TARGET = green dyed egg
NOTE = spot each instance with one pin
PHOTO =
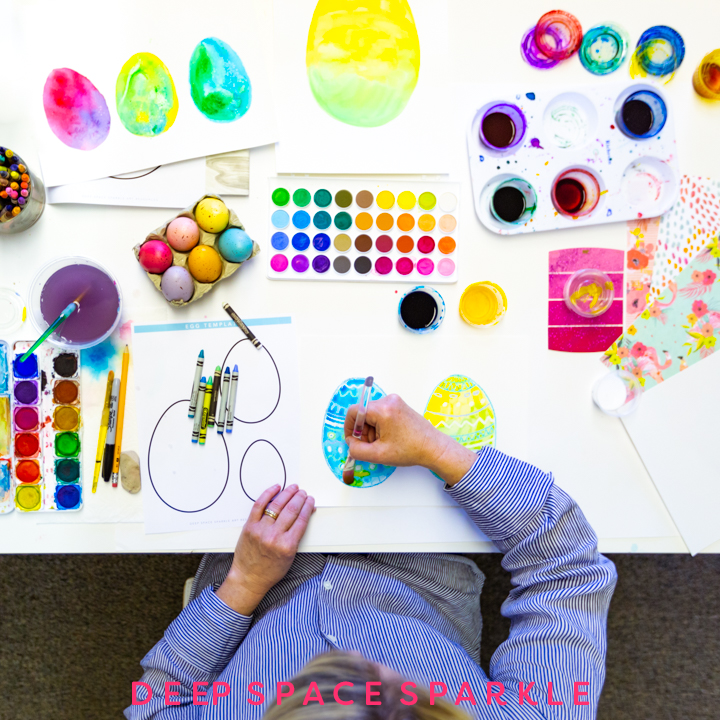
(145, 95)
(363, 59)
(219, 85)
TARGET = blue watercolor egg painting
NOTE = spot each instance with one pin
(219, 84)
(335, 448)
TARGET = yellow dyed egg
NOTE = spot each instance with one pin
(205, 264)
(212, 215)
(459, 408)
(363, 59)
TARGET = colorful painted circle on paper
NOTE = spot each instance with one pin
(335, 448)
(363, 59)
(459, 408)
(75, 110)
(145, 96)
(219, 84)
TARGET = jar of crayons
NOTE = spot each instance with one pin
(22, 194)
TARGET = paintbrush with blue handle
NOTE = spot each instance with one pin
(64, 315)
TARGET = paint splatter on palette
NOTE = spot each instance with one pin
(556, 159)
(355, 230)
(43, 459)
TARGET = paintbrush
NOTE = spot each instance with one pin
(64, 315)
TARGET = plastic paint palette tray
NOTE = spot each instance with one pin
(46, 424)
(556, 159)
(363, 230)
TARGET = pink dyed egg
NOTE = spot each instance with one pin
(155, 256)
(183, 234)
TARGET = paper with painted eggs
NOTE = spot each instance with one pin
(162, 82)
(460, 408)
(361, 85)
(190, 486)
(335, 448)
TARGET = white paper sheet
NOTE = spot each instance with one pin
(96, 39)
(190, 486)
(312, 141)
(673, 431)
(176, 185)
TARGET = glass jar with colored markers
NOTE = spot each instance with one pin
(22, 194)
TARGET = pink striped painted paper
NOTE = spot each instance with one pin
(568, 331)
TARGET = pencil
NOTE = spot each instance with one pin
(222, 401)
(105, 419)
(231, 401)
(196, 384)
(198, 415)
(214, 398)
(120, 416)
(205, 411)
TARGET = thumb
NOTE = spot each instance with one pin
(365, 451)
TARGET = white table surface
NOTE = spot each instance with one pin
(589, 454)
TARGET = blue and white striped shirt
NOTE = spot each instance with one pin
(417, 614)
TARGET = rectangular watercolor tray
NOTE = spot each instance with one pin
(46, 422)
(6, 484)
(553, 134)
(362, 230)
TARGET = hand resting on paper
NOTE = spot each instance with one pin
(394, 434)
(267, 547)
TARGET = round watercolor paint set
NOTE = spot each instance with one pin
(550, 160)
(46, 429)
(363, 230)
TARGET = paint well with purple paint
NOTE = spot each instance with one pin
(99, 306)
(26, 392)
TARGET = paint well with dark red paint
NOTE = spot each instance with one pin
(569, 195)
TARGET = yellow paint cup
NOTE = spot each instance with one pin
(483, 304)
(706, 79)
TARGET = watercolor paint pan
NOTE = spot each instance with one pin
(572, 156)
(6, 462)
(335, 229)
(46, 429)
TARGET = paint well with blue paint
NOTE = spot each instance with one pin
(280, 219)
(279, 240)
(301, 241)
(301, 219)
(321, 242)
(27, 369)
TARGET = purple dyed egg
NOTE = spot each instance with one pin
(155, 256)
(177, 284)
(75, 109)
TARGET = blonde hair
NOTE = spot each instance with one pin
(329, 669)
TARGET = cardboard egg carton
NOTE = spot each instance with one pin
(206, 238)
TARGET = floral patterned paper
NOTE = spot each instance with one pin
(680, 328)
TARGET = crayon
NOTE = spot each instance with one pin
(231, 402)
(196, 384)
(222, 401)
(200, 397)
(205, 411)
(214, 398)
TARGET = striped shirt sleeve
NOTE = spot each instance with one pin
(196, 648)
(562, 584)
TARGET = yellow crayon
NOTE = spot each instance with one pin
(205, 411)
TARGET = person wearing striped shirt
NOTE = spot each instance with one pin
(287, 636)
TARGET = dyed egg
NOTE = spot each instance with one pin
(183, 234)
(212, 215)
(363, 59)
(219, 85)
(204, 263)
(155, 256)
(75, 110)
(459, 408)
(335, 448)
(145, 95)
(235, 245)
(177, 284)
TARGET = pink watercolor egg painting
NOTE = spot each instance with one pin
(75, 109)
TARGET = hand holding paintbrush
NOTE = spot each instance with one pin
(348, 474)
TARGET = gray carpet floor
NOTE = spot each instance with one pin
(74, 628)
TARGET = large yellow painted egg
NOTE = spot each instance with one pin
(458, 407)
(363, 59)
